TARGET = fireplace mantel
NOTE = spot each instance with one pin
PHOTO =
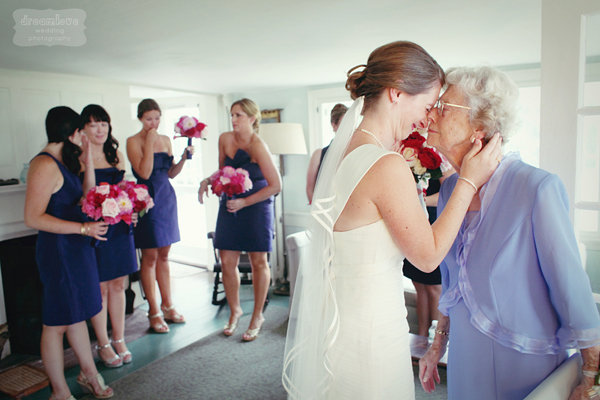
(12, 201)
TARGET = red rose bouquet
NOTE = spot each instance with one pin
(230, 181)
(190, 127)
(116, 203)
(424, 161)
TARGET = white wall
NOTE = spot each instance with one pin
(29, 95)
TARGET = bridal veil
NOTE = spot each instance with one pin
(313, 322)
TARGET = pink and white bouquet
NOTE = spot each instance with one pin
(230, 181)
(116, 203)
(190, 127)
(139, 196)
(424, 161)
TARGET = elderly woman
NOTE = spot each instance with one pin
(515, 295)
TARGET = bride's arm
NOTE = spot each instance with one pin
(393, 191)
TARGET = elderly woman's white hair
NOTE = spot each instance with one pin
(492, 96)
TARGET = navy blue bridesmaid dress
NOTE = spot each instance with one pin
(251, 228)
(159, 227)
(67, 263)
(116, 256)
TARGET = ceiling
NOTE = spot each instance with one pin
(232, 46)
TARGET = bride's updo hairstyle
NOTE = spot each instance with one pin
(402, 65)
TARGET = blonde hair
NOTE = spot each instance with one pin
(251, 109)
(402, 65)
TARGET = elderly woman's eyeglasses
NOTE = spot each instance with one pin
(441, 104)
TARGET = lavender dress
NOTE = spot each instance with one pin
(514, 287)
(251, 228)
(67, 263)
(159, 227)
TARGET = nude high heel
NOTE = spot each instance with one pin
(114, 362)
(171, 315)
(159, 327)
(105, 393)
(126, 355)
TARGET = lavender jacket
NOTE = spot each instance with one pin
(516, 264)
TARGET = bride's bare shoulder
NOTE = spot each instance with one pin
(390, 167)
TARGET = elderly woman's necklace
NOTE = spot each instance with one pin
(373, 136)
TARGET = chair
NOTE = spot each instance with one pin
(296, 244)
(561, 382)
(244, 267)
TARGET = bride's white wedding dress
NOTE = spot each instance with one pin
(371, 357)
(347, 335)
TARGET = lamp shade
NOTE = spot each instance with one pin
(283, 138)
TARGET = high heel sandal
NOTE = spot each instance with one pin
(126, 355)
(252, 334)
(229, 329)
(170, 315)
(114, 362)
(106, 391)
(71, 397)
(160, 327)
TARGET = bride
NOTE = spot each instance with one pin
(348, 334)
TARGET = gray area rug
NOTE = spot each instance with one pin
(216, 367)
(219, 367)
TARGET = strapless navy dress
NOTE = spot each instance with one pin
(116, 256)
(159, 227)
(67, 263)
(251, 228)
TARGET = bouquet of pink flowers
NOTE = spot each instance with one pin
(190, 127)
(424, 161)
(116, 203)
(139, 196)
(230, 181)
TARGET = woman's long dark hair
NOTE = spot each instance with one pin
(62, 122)
(96, 113)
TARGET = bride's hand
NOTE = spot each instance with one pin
(479, 164)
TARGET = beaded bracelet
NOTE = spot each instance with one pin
(441, 332)
(470, 182)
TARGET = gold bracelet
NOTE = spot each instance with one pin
(82, 230)
(441, 332)
(87, 230)
(470, 182)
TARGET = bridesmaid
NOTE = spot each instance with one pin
(151, 159)
(116, 257)
(246, 222)
(64, 256)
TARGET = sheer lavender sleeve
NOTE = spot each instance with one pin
(568, 284)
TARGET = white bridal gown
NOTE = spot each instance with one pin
(371, 357)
